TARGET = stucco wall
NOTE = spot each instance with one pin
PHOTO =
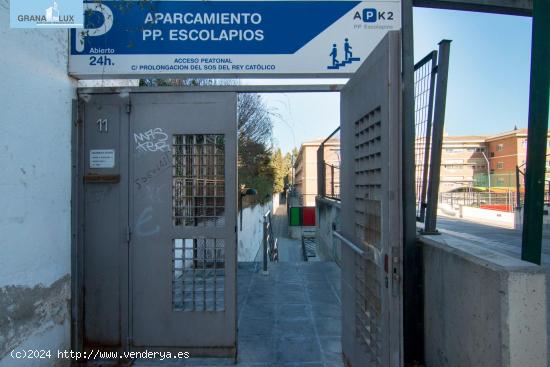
(35, 156)
(276, 202)
(499, 218)
(251, 235)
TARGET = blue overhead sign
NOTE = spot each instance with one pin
(227, 38)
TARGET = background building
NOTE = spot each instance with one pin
(462, 158)
(305, 168)
(507, 150)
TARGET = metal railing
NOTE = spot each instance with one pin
(270, 250)
(520, 183)
(332, 181)
(425, 72)
(328, 173)
(430, 86)
(505, 201)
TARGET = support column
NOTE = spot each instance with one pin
(437, 138)
(413, 314)
(537, 133)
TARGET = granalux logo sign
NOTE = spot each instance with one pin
(46, 14)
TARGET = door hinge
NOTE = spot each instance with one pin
(128, 107)
(128, 234)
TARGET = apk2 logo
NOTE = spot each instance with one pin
(371, 15)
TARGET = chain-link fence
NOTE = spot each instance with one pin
(430, 90)
(502, 201)
(328, 168)
(332, 181)
(424, 88)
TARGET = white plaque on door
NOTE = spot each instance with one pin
(102, 158)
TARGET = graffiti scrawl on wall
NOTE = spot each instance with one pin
(152, 140)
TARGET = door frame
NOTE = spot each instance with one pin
(77, 156)
(79, 167)
(77, 174)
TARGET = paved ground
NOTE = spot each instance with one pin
(288, 318)
(504, 240)
(289, 249)
(501, 239)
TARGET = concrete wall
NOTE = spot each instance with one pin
(328, 220)
(275, 202)
(482, 308)
(35, 220)
(251, 236)
(503, 219)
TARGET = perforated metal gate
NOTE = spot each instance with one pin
(371, 210)
(159, 222)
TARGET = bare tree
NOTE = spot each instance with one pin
(255, 119)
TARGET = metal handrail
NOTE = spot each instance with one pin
(269, 242)
(349, 243)
(370, 251)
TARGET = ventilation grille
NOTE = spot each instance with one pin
(198, 274)
(368, 177)
(198, 180)
(368, 308)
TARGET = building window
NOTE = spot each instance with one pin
(500, 181)
(480, 150)
(500, 165)
(500, 147)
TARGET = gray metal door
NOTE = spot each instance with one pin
(183, 186)
(371, 210)
(101, 272)
(155, 263)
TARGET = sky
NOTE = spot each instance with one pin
(488, 86)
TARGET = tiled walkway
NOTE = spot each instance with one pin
(288, 318)
(289, 249)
